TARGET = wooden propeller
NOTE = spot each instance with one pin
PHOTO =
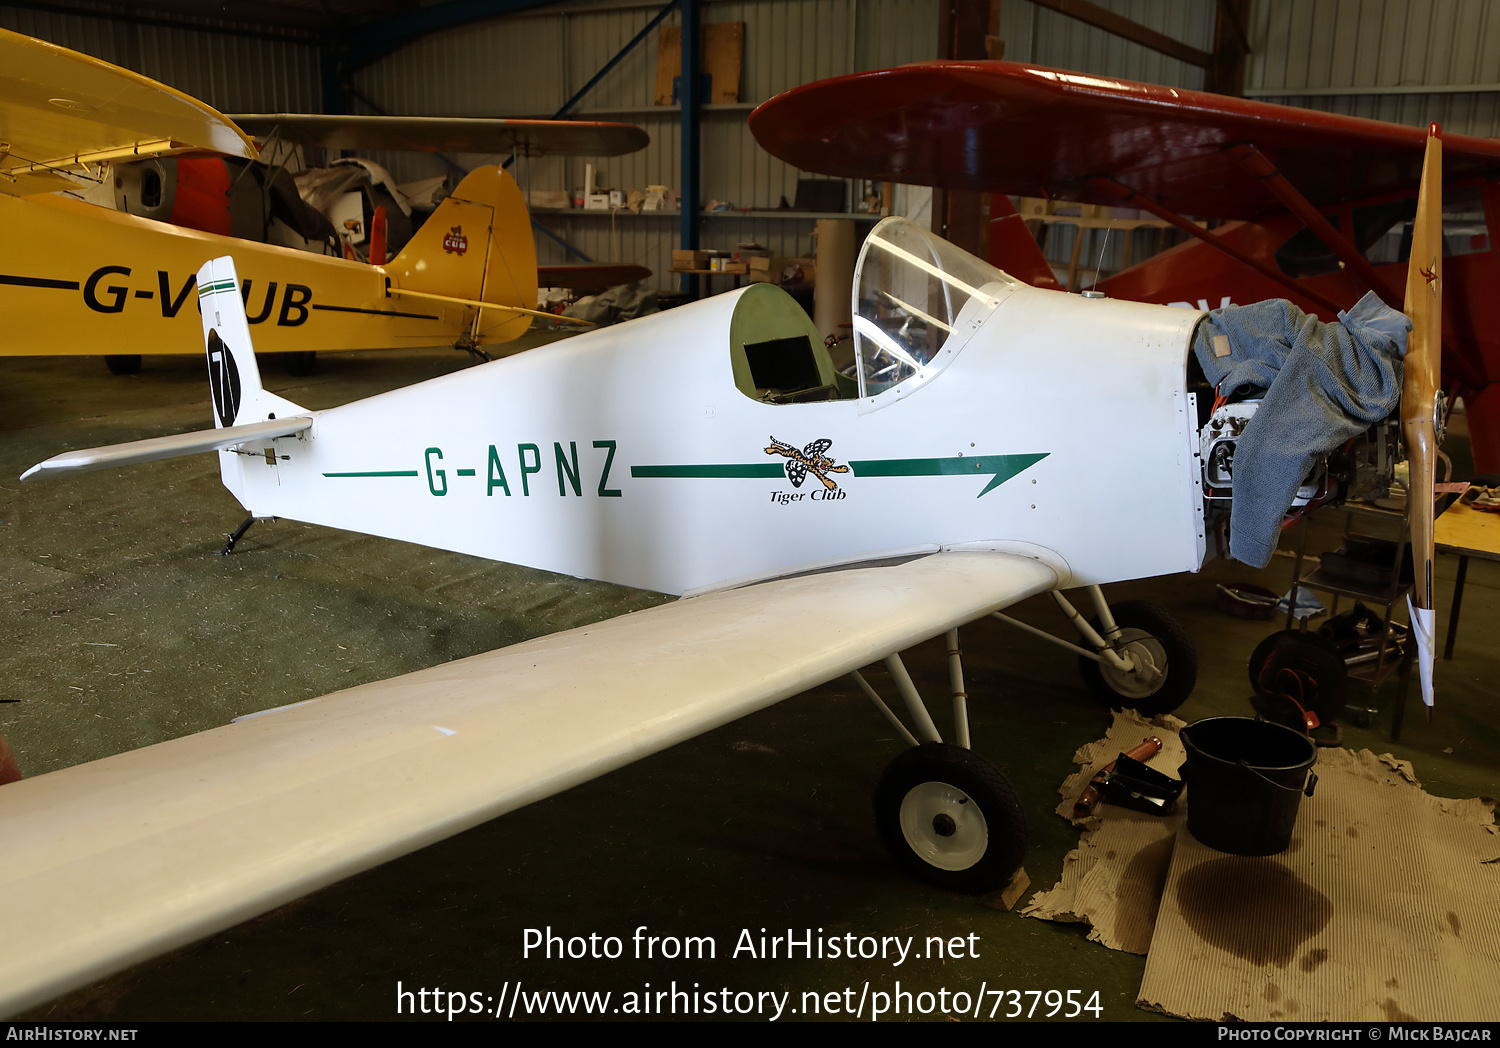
(1424, 306)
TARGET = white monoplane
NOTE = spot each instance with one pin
(815, 523)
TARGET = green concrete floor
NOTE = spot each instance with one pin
(124, 628)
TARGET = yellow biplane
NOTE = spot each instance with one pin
(119, 284)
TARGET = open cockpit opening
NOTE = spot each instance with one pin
(776, 353)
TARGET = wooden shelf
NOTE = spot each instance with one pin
(610, 112)
(854, 216)
(604, 212)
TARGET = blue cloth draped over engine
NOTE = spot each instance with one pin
(1322, 383)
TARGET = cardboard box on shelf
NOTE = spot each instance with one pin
(774, 269)
(684, 259)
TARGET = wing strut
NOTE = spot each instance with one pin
(1124, 193)
(1255, 164)
(1424, 305)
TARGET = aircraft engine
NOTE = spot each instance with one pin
(219, 195)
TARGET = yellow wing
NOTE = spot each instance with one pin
(61, 111)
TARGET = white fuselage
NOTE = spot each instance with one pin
(585, 457)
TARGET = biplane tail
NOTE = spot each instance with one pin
(476, 247)
(1419, 410)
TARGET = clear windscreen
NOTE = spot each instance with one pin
(916, 294)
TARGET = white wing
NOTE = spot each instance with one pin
(106, 864)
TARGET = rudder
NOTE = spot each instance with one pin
(1014, 249)
(477, 245)
(233, 375)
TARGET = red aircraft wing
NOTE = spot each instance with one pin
(1006, 128)
(1002, 127)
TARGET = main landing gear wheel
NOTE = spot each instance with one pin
(1166, 661)
(123, 363)
(950, 818)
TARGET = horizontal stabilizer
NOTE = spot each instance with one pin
(154, 448)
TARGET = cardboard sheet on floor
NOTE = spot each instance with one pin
(1386, 906)
(1112, 881)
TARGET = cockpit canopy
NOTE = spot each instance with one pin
(917, 300)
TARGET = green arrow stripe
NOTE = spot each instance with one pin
(1000, 467)
(736, 470)
(217, 285)
(378, 473)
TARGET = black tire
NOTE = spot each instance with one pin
(1149, 628)
(300, 364)
(123, 363)
(1314, 658)
(949, 817)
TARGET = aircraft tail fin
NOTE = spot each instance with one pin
(244, 410)
(1014, 249)
(476, 246)
(233, 376)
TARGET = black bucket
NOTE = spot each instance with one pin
(1245, 779)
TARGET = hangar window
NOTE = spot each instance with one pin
(917, 301)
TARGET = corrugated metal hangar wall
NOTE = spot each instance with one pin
(1404, 60)
(233, 66)
(528, 65)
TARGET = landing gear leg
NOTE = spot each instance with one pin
(467, 344)
(945, 814)
(1165, 661)
(1138, 657)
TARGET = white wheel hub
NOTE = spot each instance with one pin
(1150, 660)
(943, 826)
